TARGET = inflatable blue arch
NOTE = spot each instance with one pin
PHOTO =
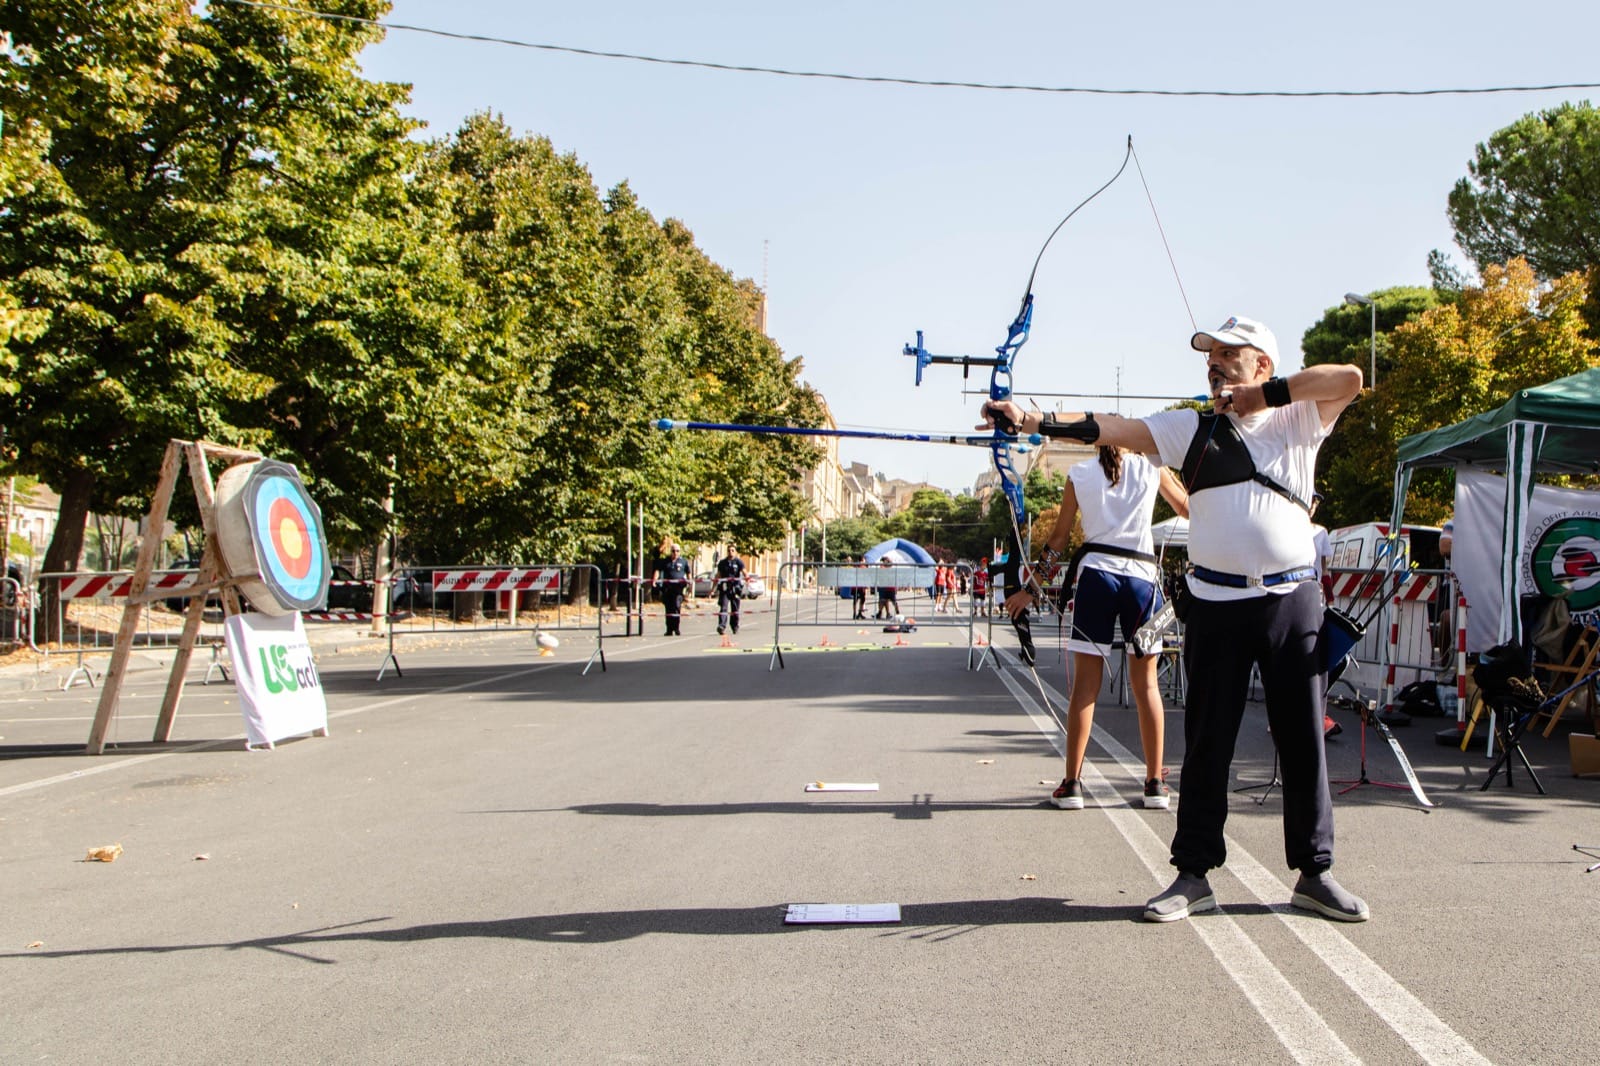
(896, 551)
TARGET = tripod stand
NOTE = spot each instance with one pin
(1267, 786)
(1369, 717)
(1368, 712)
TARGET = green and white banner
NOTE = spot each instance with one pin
(1551, 548)
(280, 693)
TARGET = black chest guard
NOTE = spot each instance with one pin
(1217, 456)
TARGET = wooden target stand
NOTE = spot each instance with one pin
(214, 574)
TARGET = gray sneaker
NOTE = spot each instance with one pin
(1321, 893)
(1187, 895)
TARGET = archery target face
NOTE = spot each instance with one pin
(286, 532)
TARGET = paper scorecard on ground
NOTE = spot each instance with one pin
(842, 786)
(815, 913)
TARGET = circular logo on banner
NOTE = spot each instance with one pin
(286, 532)
(1566, 561)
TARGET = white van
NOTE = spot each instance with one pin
(1355, 547)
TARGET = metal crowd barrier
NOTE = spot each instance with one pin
(495, 598)
(825, 594)
(86, 620)
(1413, 634)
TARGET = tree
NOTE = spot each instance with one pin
(1450, 362)
(1534, 193)
(1354, 490)
(205, 182)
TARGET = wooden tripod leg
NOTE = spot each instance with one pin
(133, 609)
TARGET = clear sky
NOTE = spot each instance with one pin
(873, 211)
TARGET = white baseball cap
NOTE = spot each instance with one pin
(1245, 332)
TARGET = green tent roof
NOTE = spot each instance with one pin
(1569, 407)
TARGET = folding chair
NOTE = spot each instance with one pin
(1579, 663)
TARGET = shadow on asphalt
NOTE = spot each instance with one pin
(930, 922)
(919, 807)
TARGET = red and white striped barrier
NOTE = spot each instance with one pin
(1365, 586)
(116, 586)
(514, 580)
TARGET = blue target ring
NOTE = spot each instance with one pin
(287, 535)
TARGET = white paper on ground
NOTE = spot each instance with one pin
(805, 913)
(842, 786)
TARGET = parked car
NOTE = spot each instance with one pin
(180, 604)
(705, 585)
(8, 595)
(412, 589)
(346, 592)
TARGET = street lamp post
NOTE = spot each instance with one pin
(1361, 301)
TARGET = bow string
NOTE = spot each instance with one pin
(1001, 368)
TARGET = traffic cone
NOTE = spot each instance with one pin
(727, 641)
(825, 642)
(900, 640)
(980, 642)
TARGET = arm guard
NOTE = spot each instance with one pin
(1086, 430)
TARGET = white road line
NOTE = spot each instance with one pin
(1297, 1025)
(113, 763)
(1423, 1031)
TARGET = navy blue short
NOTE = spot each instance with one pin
(1100, 600)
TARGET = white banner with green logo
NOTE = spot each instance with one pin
(279, 691)
(1552, 549)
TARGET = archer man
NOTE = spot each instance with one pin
(1248, 466)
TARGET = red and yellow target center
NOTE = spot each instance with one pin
(290, 539)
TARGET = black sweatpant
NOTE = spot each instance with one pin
(1222, 639)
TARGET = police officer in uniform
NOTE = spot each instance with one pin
(672, 578)
(730, 590)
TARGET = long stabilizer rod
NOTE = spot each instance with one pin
(1022, 444)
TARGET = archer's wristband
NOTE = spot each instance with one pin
(1276, 392)
(1086, 429)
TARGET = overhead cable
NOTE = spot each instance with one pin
(927, 83)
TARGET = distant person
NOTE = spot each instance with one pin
(941, 588)
(672, 578)
(980, 585)
(730, 590)
(858, 594)
(1115, 582)
(888, 602)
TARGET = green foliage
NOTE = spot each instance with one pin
(221, 231)
(1449, 363)
(1344, 333)
(1356, 491)
(1531, 194)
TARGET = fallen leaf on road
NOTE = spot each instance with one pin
(37, 944)
(202, 857)
(1029, 877)
(985, 762)
(108, 853)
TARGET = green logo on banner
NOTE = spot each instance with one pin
(279, 676)
(1566, 561)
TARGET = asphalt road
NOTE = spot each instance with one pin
(496, 858)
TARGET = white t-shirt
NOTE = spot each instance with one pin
(1117, 514)
(1247, 528)
(1323, 548)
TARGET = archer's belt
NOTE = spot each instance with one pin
(1245, 581)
